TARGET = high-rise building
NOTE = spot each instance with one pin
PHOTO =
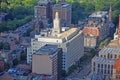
(48, 61)
(64, 10)
(71, 41)
(43, 11)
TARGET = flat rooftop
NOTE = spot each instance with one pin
(64, 34)
(47, 49)
(67, 33)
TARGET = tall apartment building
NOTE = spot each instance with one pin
(71, 41)
(106, 63)
(43, 11)
(48, 61)
(64, 10)
(97, 28)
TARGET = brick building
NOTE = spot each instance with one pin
(43, 12)
(97, 28)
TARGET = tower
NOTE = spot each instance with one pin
(65, 10)
(119, 30)
(110, 14)
(56, 25)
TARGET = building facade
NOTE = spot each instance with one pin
(106, 63)
(43, 12)
(48, 61)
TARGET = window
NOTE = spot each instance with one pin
(98, 65)
(111, 56)
(94, 69)
(104, 56)
(94, 64)
(105, 66)
(115, 56)
(101, 65)
(105, 71)
(108, 66)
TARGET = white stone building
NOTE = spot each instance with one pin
(71, 42)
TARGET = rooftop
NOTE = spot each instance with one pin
(67, 33)
(109, 50)
(103, 60)
(47, 49)
(99, 14)
(65, 5)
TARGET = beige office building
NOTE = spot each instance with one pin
(48, 61)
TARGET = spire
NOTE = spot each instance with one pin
(119, 28)
(56, 15)
(110, 14)
(56, 24)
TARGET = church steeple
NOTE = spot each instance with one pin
(110, 14)
(56, 24)
(119, 28)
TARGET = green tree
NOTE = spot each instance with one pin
(7, 66)
(15, 61)
(23, 56)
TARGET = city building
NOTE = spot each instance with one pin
(70, 40)
(116, 70)
(97, 28)
(48, 61)
(43, 12)
(65, 11)
(106, 63)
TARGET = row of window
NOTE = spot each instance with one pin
(110, 56)
(105, 66)
(104, 71)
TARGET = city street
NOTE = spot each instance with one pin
(81, 74)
